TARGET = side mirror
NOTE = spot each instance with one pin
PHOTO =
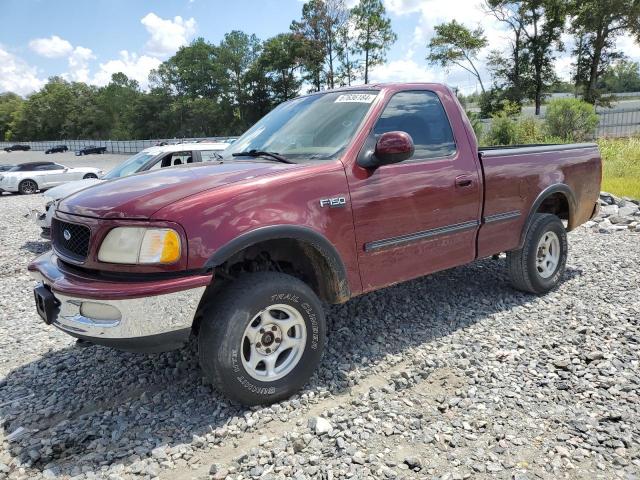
(391, 147)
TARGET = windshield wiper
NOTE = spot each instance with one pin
(259, 153)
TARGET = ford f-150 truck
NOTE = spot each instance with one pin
(329, 196)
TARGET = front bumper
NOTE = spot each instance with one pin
(133, 316)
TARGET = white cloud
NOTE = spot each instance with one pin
(405, 70)
(79, 64)
(132, 65)
(167, 35)
(16, 75)
(51, 47)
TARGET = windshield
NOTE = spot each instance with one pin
(129, 166)
(314, 127)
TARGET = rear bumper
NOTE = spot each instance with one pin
(152, 322)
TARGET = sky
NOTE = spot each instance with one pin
(89, 40)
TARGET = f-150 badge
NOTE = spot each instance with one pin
(334, 202)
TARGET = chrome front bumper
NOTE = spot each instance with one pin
(153, 323)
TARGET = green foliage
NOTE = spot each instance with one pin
(570, 119)
(10, 106)
(455, 44)
(596, 24)
(374, 35)
(503, 131)
(496, 100)
(623, 76)
(621, 166)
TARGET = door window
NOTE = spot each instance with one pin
(173, 159)
(209, 155)
(421, 115)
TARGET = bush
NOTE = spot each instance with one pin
(570, 119)
(503, 131)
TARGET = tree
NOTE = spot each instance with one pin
(455, 44)
(596, 24)
(237, 53)
(623, 76)
(115, 102)
(194, 71)
(349, 69)
(10, 104)
(544, 20)
(374, 35)
(318, 30)
(309, 32)
(508, 72)
(281, 60)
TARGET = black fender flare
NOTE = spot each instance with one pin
(294, 232)
(542, 196)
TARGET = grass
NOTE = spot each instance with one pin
(621, 166)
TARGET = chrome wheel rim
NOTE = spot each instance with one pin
(29, 186)
(548, 254)
(273, 342)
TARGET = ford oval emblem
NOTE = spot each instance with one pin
(66, 234)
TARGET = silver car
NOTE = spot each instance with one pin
(148, 159)
(28, 178)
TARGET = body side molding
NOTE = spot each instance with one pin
(417, 236)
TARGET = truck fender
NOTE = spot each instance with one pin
(303, 234)
(562, 188)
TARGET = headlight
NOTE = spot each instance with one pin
(140, 245)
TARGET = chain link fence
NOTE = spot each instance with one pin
(615, 122)
(113, 146)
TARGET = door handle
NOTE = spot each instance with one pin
(463, 181)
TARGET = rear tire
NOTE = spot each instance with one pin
(28, 187)
(245, 329)
(90, 175)
(539, 265)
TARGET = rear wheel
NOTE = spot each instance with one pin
(27, 187)
(540, 264)
(262, 337)
(90, 175)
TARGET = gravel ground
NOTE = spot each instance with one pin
(451, 376)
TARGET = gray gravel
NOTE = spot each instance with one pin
(451, 376)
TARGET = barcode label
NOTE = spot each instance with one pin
(356, 98)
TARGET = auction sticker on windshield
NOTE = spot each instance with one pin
(356, 98)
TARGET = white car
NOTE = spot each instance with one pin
(30, 177)
(148, 159)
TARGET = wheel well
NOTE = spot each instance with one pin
(558, 205)
(298, 258)
(287, 255)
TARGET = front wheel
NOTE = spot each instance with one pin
(28, 187)
(262, 338)
(90, 175)
(539, 265)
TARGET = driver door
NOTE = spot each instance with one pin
(421, 215)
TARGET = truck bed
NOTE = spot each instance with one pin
(515, 177)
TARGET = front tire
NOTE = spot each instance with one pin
(27, 187)
(90, 175)
(539, 265)
(262, 338)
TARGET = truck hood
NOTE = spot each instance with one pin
(139, 196)
(66, 189)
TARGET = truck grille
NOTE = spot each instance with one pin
(71, 239)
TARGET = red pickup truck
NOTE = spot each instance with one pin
(329, 196)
